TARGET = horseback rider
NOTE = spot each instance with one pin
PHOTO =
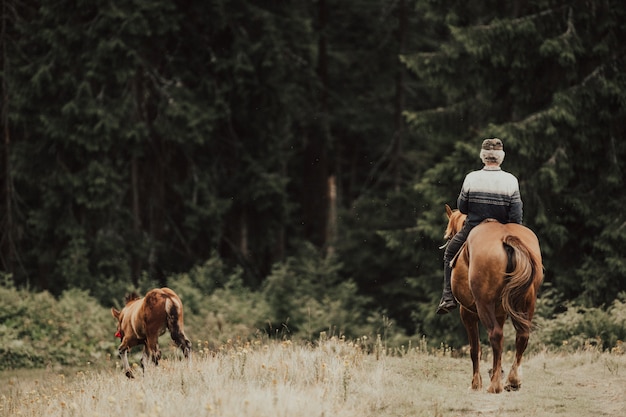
(486, 193)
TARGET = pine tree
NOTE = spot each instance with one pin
(548, 79)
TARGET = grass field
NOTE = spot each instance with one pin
(333, 378)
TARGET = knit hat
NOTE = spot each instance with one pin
(492, 151)
(493, 144)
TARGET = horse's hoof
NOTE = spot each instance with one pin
(512, 387)
(491, 373)
(129, 375)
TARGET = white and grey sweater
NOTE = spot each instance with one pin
(490, 193)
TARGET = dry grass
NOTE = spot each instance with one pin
(331, 379)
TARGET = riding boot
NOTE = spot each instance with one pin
(448, 302)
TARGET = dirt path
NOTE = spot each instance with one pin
(580, 385)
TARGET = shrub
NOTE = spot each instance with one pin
(307, 295)
(38, 329)
(580, 327)
(231, 312)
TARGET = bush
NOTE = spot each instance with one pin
(580, 327)
(230, 312)
(38, 329)
(307, 295)
(303, 297)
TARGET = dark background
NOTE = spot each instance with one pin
(143, 138)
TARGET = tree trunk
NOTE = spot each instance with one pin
(7, 227)
(399, 101)
(316, 171)
(135, 267)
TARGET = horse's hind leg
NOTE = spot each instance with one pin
(175, 327)
(514, 380)
(182, 342)
(470, 321)
(494, 327)
(178, 336)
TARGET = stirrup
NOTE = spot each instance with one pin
(445, 306)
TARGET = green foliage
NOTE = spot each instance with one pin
(544, 81)
(304, 298)
(231, 312)
(307, 295)
(38, 330)
(161, 141)
(582, 327)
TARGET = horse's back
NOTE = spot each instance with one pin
(484, 244)
(168, 292)
(528, 237)
(487, 261)
(163, 293)
(491, 234)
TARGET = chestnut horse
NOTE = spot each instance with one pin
(143, 320)
(496, 274)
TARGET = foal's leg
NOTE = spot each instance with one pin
(470, 321)
(151, 352)
(123, 351)
(181, 341)
(175, 327)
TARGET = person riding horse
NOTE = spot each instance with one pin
(489, 193)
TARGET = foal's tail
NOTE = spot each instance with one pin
(522, 270)
(174, 311)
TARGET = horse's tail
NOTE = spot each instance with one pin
(174, 312)
(521, 272)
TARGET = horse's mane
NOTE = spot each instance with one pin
(455, 222)
(131, 297)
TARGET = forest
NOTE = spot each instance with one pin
(305, 150)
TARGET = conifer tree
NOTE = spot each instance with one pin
(548, 79)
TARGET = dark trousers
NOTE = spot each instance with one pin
(451, 250)
(455, 243)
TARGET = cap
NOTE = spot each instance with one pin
(493, 144)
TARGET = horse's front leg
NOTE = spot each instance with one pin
(145, 358)
(123, 351)
(151, 351)
(470, 321)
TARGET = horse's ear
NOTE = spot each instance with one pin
(115, 313)
(448, 210)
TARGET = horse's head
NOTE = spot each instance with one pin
(455, 222)
(117, 315)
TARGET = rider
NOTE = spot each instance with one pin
(487, 193)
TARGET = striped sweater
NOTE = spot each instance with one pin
(490, 193)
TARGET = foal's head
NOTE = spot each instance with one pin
(117, 314)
